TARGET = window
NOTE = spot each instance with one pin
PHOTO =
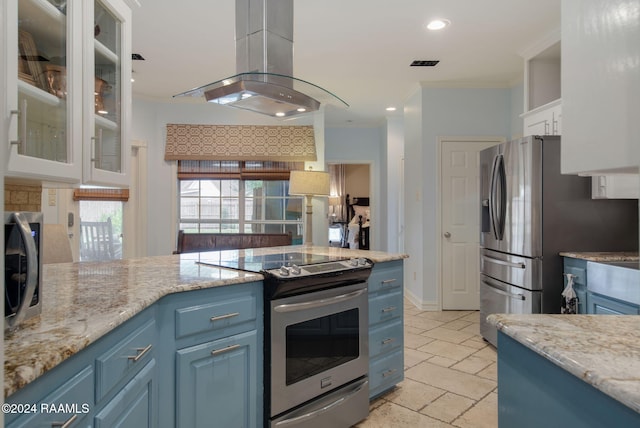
(237, 202)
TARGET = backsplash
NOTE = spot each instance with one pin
(20, 197)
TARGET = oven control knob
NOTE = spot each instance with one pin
(284, 271)
(353, 262)
(295, 270)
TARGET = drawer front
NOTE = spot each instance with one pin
(386, 338)
(385, 307)
(216, 316)
(125, 358)
(385, 372)
(386, 276)
(75, 395)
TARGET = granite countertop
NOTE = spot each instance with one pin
(602, 256)
(84, 301)
(602, 350)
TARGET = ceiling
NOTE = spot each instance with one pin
(360, 50)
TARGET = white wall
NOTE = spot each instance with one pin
(362, 145)
(431, 113)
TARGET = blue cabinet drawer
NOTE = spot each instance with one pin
(71, 402)
(386, 276)
(385, 372)
(135, 405)
(217, 316)
(125, 358)
(385, 307)
(385, 338)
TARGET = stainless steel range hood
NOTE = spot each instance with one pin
(264, 61)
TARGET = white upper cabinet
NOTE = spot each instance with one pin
(542, 88)
(600, 86)
(107, 52)
(53, 128)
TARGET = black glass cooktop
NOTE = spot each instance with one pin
(258, 263)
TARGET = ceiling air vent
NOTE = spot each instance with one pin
(424, 63)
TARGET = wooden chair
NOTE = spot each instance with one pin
(96, 240)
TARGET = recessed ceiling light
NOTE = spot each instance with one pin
(301, 109)
(438, 24)
(391, 109)
(280, 114)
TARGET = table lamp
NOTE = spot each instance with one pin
(309, 184)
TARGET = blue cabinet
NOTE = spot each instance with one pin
(386, 335)
(191, 359)
(216, 383)
(213, 341)
(603, 305)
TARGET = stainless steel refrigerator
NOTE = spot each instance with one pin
(529, 214)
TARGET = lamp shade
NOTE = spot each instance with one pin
(314, 183)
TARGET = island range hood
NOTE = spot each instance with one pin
(264, 62)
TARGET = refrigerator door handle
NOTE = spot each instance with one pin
(492, 198)
(505, 293)
(503, 262)
(502, 204)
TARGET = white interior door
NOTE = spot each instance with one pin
(460, 223)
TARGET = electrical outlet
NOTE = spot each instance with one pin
(52, 197)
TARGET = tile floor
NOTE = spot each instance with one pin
(450, 375)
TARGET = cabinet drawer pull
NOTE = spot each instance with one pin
(65, 424)
(223, 350)
(140, 353)
(388, 341)
(389, 373)
(224, 317)
(389, 309)
(388, 281)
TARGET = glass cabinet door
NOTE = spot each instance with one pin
(110, 86)
(42, 76)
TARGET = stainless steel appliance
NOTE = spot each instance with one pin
(316, 336)
(529, 213)
(22, 266)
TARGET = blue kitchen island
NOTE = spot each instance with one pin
(568, 370)
(164, 341)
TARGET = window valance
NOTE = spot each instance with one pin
(101, 194)
(240, 142)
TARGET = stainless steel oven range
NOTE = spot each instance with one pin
(316, 338)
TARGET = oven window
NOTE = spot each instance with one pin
(321, 344)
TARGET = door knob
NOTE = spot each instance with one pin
(447, 235)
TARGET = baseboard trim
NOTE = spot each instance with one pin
(422, 305)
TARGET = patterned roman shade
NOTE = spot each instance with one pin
(240, 142)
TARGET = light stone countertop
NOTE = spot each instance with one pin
(602, 256)
(602, 350)
(84, 301)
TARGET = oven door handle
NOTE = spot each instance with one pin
(298, 420)
(293, 307)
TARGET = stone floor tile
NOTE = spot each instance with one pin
(444, 316)
(475, 343)
(457, 325)
(422, 323)
(413, 395)
(415, 341)
(448, 407)
(472, 317)
(460, 383)
(414, 330)
(448, 335)
(447, 349)
(488, 353)
(491, 372)
(442, 361)
(413, 357)
(472, 328)
(472, 365)
(483, 415)
(395, 416)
